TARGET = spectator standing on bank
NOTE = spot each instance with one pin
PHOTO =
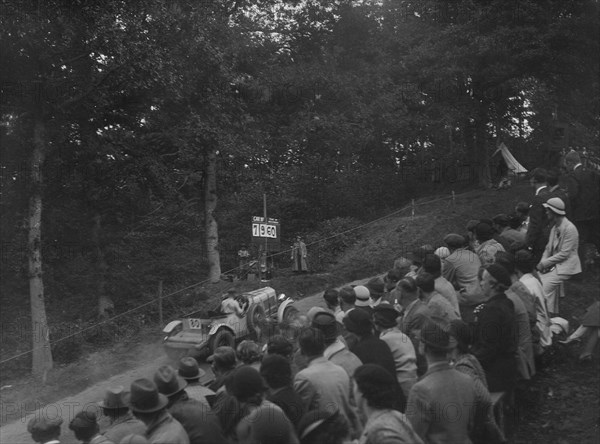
(537, 230)
(244, 260)
(299, 256)
(583, 190)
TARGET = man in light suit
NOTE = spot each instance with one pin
(560, 260)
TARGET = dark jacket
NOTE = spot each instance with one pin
(538, 230)
(372, 350)
(496, 342)
(289, 401)
(198, 420)
(583, 191)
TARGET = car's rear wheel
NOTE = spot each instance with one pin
(222, 338)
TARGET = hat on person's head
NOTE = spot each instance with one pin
(315, 311)
(385, 316)
(143, 397)
(134, 439)
(376, 287)
(522, 207)
(280, 345)
(168, 382)
(500, 273)
(454, 240)
(43, 425)
(358, 321)
(84, 420)
(223, 356)
(442, 252)
(314, 419)
(472, 224)
(484, 231)
(188, 369)
(363, 296)
(113, 399)
(246, 382)
(434, 336)
(501, 219)
(270, 425)
(419, 253)
(556, 205)
(325, 321)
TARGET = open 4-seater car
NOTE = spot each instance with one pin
(201, 333)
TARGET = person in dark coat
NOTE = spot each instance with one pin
(582, 185)
(197, 419)
(495, 337)
(370, 349)
(537, 230)
(277, 373)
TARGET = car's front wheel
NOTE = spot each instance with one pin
(222, 338)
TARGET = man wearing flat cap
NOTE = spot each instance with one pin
(460, 269)
(122, 421)
(45, 430)
(198, 420)
(403, 351)
(150, 406)
(560, 260)
(495, 344)
(443, 386)
(86, 429)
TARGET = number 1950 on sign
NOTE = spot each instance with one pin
(264, 230)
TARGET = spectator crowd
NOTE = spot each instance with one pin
(434, 351)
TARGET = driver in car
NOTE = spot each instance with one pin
(234, 304)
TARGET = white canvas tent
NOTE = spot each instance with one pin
(513, 164)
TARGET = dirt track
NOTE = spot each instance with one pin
(16, 432)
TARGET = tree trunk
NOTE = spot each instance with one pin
(210, 204)
(42, 354)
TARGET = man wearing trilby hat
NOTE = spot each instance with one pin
(122, 422)
(559, 260)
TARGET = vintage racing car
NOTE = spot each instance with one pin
(202, 332)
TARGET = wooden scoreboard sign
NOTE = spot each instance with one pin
(266, 232)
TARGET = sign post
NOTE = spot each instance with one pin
(266, 236)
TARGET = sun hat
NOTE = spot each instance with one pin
(556, 205)
(363, 296)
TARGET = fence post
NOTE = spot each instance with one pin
(160, 307)
(412, 213)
